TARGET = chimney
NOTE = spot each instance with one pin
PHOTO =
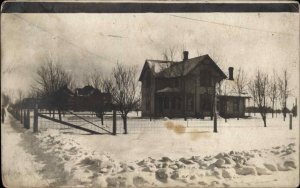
(185, 55)
(230, 70)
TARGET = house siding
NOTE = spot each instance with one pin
(166, 94)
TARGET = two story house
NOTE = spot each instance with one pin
(179, 89)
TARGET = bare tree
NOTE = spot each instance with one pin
(284, 92)
(5, 99)
(273, 92)
(169, 53)
(52, 77)
(20, 95)
(94, 79)
(259, 91)
(125, 91)
(107, 84)
(240, 86)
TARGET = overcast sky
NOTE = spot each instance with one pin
(87, 42)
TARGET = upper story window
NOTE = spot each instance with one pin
(176, 82)
(148, 80)
(205, 78)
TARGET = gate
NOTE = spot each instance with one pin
(86, 122)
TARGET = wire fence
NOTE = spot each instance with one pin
(135, 124)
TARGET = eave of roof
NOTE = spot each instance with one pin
(168, 90)
(189, 65)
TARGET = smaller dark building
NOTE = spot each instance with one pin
(87, 91)
(89, 98)
(230, 103)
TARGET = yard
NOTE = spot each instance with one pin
(138, 158)
(163, 152)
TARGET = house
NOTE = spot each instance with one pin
(165, 85)
(89, 98)
(87, 91)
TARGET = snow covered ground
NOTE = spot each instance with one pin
(176, 153)
(18, 166)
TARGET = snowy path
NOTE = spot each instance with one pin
(18, 167)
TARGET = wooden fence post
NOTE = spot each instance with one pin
(114, 123)
(35, 119)
(28, 119)
(291, 120)
(24, 118)
(21, 115)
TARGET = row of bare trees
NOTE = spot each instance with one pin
(266, 91)
(122, 84)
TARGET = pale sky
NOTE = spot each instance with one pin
(87, 42)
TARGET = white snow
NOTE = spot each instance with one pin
(18, 167)
(199, 139)
(178, 153)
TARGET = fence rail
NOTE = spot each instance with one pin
(112, 123)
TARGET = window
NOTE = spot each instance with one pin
(148, 104)
(178, 103)
(190, 102)
(166, 102)
(235, 105)
(205, 102)
(176, 83)
(148, 81)
(173, 103)
(205, 78)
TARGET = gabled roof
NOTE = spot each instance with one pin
(173, 69)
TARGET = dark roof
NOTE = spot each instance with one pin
(87, 90)
(173, 69)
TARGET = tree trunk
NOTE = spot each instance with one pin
(265, 120)
(59, 114)
(124, 117)
(238, 109)
(272, 109)
(102, 119)
(284, 113)
(215, 109)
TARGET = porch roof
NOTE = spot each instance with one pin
(168, 90)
